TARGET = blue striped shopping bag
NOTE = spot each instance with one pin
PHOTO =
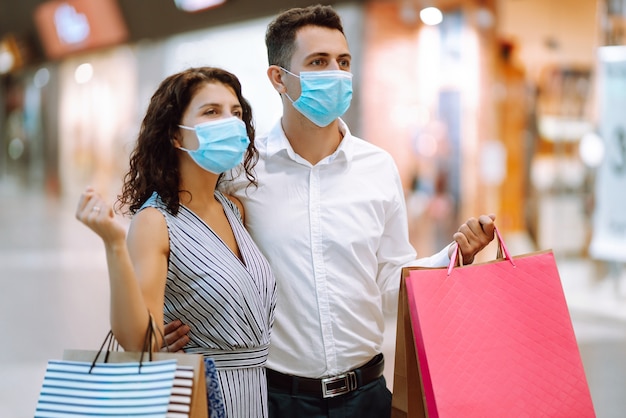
(89, 389)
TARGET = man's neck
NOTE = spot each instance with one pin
(310, 141)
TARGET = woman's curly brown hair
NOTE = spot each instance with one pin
(154, 160)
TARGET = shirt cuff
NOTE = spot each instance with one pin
(440, 259)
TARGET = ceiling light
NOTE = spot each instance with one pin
(431, 16)
(193, 6)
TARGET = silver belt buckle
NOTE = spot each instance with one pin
(338, 385)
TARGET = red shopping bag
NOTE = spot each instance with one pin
(491, 340)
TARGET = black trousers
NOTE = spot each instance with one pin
(370, 401)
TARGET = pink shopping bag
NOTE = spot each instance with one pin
(491, 340)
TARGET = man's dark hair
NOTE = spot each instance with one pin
(280, 36)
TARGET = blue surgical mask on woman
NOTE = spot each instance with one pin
(325, 95)
(222, 144)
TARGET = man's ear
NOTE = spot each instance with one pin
(275, 74)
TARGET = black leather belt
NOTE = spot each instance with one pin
(330, 386)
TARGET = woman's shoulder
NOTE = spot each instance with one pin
(154, 201)
(148, 225)
(152, 212)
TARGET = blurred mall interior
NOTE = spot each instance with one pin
(512, 107)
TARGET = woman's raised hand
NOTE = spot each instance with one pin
(98, 215)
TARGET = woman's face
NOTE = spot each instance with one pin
(212, 101)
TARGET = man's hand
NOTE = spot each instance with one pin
(473, 236)
(175, 336)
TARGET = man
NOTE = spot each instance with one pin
(329, 214)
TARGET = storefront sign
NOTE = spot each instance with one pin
(70, 26)
(609, 226)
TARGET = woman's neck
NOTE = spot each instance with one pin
(197, 187)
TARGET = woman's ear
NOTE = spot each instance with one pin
(176, 141)
(275, 74)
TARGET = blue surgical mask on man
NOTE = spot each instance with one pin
(325, 95)
(222, 144)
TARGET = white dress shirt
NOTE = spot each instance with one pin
(336, 236)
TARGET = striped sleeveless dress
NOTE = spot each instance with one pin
(227, 303)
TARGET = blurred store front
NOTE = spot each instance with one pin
(493, 110)
(86, 105)
(486, 111)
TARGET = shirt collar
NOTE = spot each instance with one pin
(277, 142)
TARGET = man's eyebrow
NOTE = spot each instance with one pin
(317, 54)
(326, 55)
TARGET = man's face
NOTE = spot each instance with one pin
(319, 49)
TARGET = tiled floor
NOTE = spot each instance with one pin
(55, 296)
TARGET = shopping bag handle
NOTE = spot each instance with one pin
(112, 344)
(502, 250)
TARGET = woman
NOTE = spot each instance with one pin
(187, 254)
